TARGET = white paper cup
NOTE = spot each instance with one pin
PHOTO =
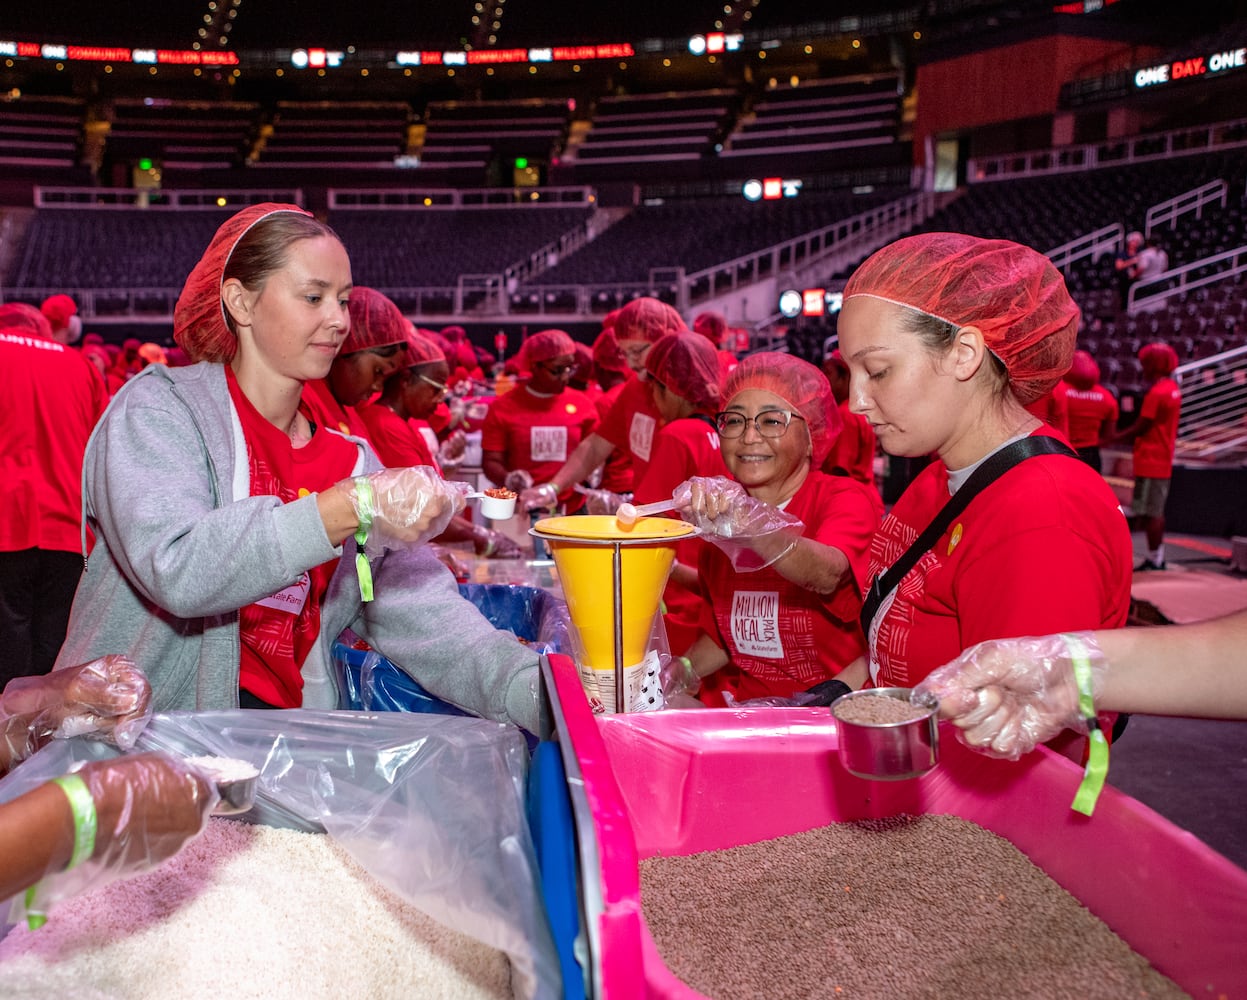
(498, 508)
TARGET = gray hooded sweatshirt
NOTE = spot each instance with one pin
(181, 546)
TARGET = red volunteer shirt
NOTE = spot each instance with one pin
(1043, 549)
(1088, 410)
(631, 424)
(683, 448)
(783, 638)
(397, 442)
(50, 397)
(320, 407)
(617, 473)
(1153, 450)
(853, 452)
(538, 433)
(278, 631)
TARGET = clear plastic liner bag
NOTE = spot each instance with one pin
(405, 506)
(430, 805)
(751, 533)
(108, 699)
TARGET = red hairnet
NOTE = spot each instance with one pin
(646, 319)
(1083, 372)
(454, 334)
(711, 325)
(688, 365)
(421, 350)
(90, 351)
(58, 309)
(546, 345)
(199, 324)
(375, 322)
(606, 352)
(18, 317)
(608, 321)
(1011, 293)
(1158, 359)
(801, 385)
(465, 355)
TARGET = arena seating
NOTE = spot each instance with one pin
(334, 135)
(184, 137)
(42, 136)
(462, 138)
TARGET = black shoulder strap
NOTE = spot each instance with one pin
(991, 470)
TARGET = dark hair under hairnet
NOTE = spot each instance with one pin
(803, 386)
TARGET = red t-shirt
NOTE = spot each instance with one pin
(320, 407)
(1153, 450)
(617, 469)
(1088, 410)
(683, 448)
(50, 398)
(853, 452)
(1052, 410)
(783, 638)
(538, 433)
(1043, 549)
(631, 423)
(278, 631)
(396, 441)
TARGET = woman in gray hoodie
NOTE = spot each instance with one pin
(235, 539)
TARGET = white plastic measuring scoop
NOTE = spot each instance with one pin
(495, 508)
(628, 514)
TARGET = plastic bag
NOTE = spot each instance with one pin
(430, 805)
(751, 533)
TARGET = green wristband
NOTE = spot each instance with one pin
(86, 822)
(363, 569)
(1096, 771)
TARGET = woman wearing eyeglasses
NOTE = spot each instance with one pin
(782, 628)
(373, 350)
(530, 432)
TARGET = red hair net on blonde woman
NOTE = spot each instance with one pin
(18, 317)
(200, 326)
(375, 322)
(688, 365)
(646, 319)
(1011, 293)
(801, 385)
(546, 345)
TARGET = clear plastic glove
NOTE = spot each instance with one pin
(403, 506)
(108, 699)
(147, 806)
(452, 450)
(753, 534)
(543, 497)
(495, 545)
(518, 480)
(1008, 695)
(600, 501)
(678, 676)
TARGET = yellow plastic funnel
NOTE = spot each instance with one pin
(584, 549)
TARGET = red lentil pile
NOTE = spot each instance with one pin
(893, 909)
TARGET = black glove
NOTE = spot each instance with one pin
(824, 693)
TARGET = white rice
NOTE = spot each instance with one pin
(247, 911)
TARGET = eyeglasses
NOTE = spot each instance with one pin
(558, 371)
(768, 423)
(649, 377)
(635, 352)
(443, 389)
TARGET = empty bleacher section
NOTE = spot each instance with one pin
(332, 136)
(832, 123)
(183, 138)
(638, 135)
(471, 142)
(42, 135)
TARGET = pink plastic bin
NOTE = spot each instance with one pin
(678, 782)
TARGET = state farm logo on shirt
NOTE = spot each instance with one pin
(290, 600)
(755, 623)
(641, 435)
(548, 444)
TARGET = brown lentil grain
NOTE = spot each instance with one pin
(907, 908)
(877, 709)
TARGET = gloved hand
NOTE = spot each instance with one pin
(678, 676)
(1008, 695)
(146, 807)
(600, 501)
(752, 533)
(403, 506)
(495, 545)
(108, 699)
(543, 497)
(518, 480)
(452, 450)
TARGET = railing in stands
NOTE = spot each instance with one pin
(1212, 428)
(1103, 240)
(1109, 153)
(130, 198)
(461, 198)
(1151, 294)
(1168, 212)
